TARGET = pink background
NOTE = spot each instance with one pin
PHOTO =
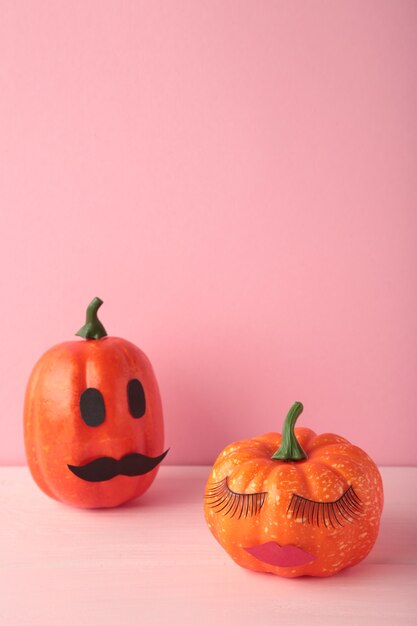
(237, 181)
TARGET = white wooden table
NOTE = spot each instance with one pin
(154, 562)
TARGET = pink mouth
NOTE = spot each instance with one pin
(281, 556)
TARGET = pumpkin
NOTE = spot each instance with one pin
(294, 505)
(93, 423)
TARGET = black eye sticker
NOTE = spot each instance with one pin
(136, 398)
(92, 407)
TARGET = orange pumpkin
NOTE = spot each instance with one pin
(297, 504)
(93, 419)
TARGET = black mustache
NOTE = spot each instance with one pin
(106, 468)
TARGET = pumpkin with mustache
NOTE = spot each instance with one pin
(93, 419)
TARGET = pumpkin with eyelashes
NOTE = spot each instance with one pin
(297, 504)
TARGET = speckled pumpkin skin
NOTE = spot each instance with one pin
(333, 464)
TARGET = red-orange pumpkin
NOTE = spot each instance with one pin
(93, 419)
(297, 504)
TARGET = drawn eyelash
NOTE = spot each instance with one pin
(223, 500)
(347, 508)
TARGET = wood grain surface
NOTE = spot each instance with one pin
(154, 562)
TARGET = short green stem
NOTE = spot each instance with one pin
(93, 328)
(290, 449)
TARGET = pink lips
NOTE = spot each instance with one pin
(281, 556)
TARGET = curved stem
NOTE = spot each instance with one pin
(93, 328)
(290, 449)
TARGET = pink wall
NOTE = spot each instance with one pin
(236, 180)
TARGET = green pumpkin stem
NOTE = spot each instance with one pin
(93, 328)
(290, 449)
